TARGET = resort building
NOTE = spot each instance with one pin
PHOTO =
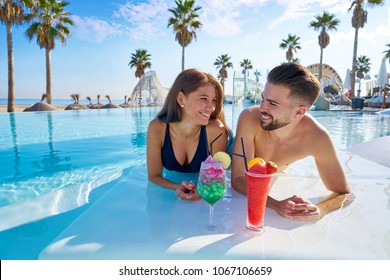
(246, 86)
(148, 91)
(330, 78)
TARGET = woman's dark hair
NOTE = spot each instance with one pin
(303, 85)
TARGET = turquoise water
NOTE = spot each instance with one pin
(69, 101)
(54, 165)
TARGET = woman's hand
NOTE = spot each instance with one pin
(187, 191)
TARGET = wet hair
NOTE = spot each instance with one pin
(303, 85)
(187, 82)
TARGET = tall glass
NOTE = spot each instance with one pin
(257, 187)
(211, 185)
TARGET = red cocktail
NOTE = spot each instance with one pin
(257, 186)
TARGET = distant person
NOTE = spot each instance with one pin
(280, 130)
(179, 137)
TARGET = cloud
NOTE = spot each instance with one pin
(226, 18)
(146, 20)
(295, 10)
(92, 29)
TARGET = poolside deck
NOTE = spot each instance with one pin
(138, 220)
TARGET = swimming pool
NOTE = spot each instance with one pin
(52, 161)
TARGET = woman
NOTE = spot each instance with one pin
(179, 138)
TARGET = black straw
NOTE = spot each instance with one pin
(243, 152)
(211, 144)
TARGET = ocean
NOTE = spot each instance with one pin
(69, 101)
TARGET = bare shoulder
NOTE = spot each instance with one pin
(250, 111)
(215, 124)
(156, 126)
(215, 127)
(310, 124)
(250, 114)
(314, 132)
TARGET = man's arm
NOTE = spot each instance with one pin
(333, 202)
(244, 130)
(332, 175)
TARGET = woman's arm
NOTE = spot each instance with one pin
(156, 132)
(155, 140)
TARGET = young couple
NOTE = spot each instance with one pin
(279, 130)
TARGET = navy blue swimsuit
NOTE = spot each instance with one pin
(168, 156)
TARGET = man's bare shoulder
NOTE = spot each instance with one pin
(250, 113)
(310, 123)
(314, 131)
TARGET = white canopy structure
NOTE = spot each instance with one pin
(148, 91)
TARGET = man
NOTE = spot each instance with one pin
(280, 130)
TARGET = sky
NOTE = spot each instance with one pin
(95, 58)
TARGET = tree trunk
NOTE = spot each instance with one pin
(353, 71)
(320, 73)
(182, 58)
(48, 77)
(11, 88)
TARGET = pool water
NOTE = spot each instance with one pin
(58, 163)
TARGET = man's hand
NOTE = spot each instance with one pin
(297, 208)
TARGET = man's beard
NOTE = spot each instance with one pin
(273, 124)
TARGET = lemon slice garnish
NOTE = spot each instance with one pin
(223, 158)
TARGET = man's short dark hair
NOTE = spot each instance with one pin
(303, 85)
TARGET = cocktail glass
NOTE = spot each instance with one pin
(211, 185)
(257, 186)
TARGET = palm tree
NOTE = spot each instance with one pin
(141, 60)
(246, 64)
(323, 23)
(12, 13)
(296, 60)
(363, 66)
(49, 22)
(222, 63)
(292, 45)
(184, 23)
(387, 52)
(359, 18)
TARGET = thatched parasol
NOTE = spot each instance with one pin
(110, 105)
(126, 103)
(41, 106)
(76, 105)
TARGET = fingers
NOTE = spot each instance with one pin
(187, 191)
(189, 185)
(302, 207)
(304, 216)
(297, 208)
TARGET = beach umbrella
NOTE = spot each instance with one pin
(382, 80)
(110, 105)
(41, 106)
(347, 81)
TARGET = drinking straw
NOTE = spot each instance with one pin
(211, 144)
(243, 152)
(243, 155)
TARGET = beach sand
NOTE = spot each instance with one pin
(20, 108)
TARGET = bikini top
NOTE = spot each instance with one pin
(168, 156)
